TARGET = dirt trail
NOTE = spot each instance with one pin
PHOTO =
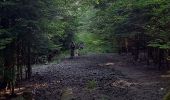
(97, 77)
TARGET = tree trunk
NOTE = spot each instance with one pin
(29, 69)
(12, 83)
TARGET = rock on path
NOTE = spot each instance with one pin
(97, 77)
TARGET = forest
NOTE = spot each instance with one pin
(39, 32)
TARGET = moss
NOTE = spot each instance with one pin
(92, 84)
(167, 96)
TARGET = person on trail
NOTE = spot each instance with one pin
(80, 47)
(72, 49)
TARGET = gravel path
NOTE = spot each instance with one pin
(97, 77)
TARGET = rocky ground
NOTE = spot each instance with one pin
(97, 77)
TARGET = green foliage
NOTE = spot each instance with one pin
(92, 84)
(4, 42)
(31, 30)
(123, 18)
(92, 43)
